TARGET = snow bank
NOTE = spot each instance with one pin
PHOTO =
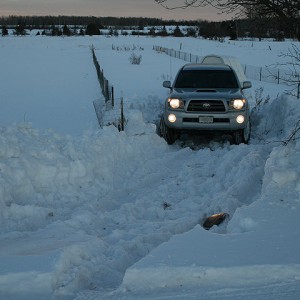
(200, 258)
(93, 203)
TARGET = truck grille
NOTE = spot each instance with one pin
(206, 105)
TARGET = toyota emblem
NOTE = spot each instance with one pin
(206, 105)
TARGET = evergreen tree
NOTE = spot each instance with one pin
(191, 32)
(20, 30)
(4, 31)
(81, 32)
(92, 29)
(152, 31)
(163, 32)
(177, 32)
(66, 30)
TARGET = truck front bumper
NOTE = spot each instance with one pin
(229, 121)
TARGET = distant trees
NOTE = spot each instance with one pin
(254, 25)
(287, 12)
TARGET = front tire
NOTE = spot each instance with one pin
(242, 135)
(169, 134)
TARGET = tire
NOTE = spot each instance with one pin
(243, 135)
(167, 133)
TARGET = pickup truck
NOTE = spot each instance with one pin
(206, 97)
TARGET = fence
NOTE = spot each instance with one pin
(266, 74)
(112, 117)
(107, 89)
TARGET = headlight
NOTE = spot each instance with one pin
(237, 103)
(175, 103)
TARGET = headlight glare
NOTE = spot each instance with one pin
(237, 103)
(240, 119)
(175, 103)
(172, 118)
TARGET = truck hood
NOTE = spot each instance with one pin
(206, 93)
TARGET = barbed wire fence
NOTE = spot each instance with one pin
(111, 111)
(265, 74)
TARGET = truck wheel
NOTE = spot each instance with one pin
(167, 133)
(242, 136)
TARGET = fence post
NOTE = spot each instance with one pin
(260, 72)
(107, 90)
(112, 97)
(298, 95)
(122, 115)
(104, 89)
(278, 76)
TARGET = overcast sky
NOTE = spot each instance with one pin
(104, 8)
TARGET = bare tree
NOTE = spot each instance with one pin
(292, 75)
(287, 11)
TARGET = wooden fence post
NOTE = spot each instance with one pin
(260, 71)
(122, 115)
(112, 97)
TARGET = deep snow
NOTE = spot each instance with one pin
(90, 213)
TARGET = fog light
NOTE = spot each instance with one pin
(240, 119)
(172, 118)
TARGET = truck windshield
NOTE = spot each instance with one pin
(206, 79)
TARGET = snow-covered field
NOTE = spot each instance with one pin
(90, 213)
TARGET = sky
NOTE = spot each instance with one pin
(104, 8)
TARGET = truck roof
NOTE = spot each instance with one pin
(206, 67)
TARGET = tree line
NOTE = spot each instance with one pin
(251, 26)
(40, 22)
(283, 14)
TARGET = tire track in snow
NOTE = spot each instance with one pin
(193, 184)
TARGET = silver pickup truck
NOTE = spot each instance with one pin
(206, 97)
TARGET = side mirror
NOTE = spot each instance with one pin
(167, 84)
(247, 85)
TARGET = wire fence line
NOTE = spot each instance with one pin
(107, 89)
(106, 112)
(266, 74)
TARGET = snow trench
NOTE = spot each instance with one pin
(106, 200)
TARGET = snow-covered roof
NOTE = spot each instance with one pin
(226, 60)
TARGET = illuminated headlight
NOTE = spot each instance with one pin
(240, 119)
(172, 118)
(237, 103)
(175, 103)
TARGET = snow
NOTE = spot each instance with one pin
(91, 213)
